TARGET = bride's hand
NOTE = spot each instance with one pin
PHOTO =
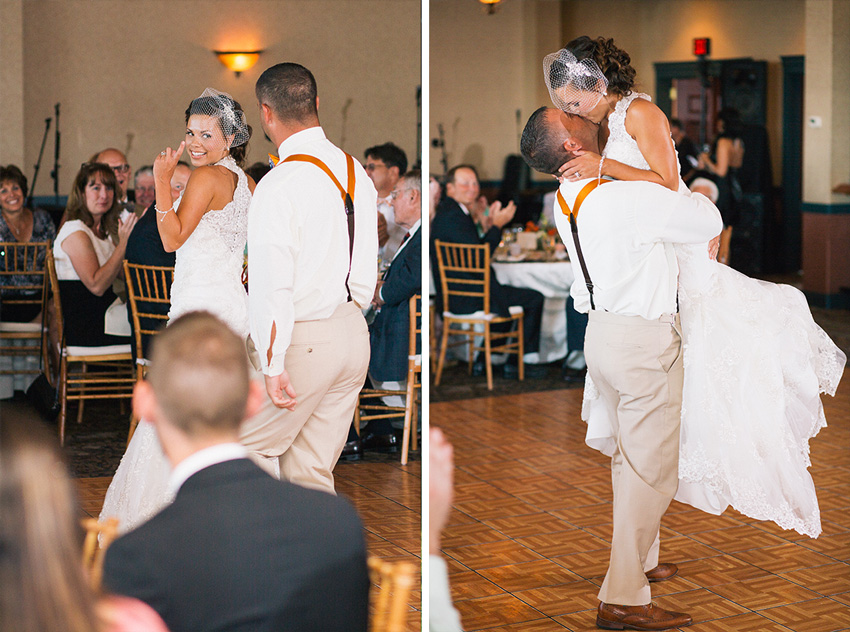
(584, 165)
(166, 163)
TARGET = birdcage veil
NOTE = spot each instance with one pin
(223, 107)
(575, 87)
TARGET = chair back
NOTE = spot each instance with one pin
(53, 292)
(149, 294)
(22, 272)
(394, 582)
(464, 272)
(99, 535)
(415, 340)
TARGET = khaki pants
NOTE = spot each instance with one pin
(637, 366)
(327, 362)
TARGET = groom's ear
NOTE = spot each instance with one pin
(571, 144)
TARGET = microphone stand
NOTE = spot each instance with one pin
(38, 163)
(55, 173)
(418, 126)
(441, 143)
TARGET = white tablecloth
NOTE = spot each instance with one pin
(553, 281)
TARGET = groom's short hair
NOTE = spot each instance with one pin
(541, 145)
(290, 91)
(199, 375)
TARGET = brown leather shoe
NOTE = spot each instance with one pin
(662, 572)
(649, 617)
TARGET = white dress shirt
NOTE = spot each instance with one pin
(298, 244)
(201, 460)
(402, 246)
(627, 231)
(395, 231)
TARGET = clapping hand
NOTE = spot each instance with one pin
(500, 216)
(125, 226)
(166, 163)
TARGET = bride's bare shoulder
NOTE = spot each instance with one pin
(642, 114)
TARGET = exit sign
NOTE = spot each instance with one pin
(702, 46)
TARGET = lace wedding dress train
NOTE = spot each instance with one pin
(755, 364)
(208, 277)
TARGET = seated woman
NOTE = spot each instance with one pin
(22, 225)
(89, 251)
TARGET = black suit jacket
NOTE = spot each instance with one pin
(451, 224)
(239, 550)
(390, 331)
(144, 247)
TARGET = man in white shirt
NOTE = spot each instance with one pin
(308, 283)
(385, 165)
(626, 232)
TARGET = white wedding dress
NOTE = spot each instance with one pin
(755, 365)
(208, 277)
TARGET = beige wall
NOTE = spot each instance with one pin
(495, 51)
(11, 82)
(124, 72)
(483, 69)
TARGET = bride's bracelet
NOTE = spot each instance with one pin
(599, 175)
(162, 213)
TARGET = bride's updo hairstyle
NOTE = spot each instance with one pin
(231, 119)
(614, 62)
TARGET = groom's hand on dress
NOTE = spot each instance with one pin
(280, 391)
(714, 248)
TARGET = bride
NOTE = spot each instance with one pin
(755, 361)
(207, 226)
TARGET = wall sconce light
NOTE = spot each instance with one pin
(490, 6)
(238, 61)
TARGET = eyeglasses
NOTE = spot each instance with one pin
(121, 168)
(371, 166)
(395, 193)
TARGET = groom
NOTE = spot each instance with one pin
(633, 346)
(312, 253)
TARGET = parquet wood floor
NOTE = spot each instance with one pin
(386, 495)
(527, 543)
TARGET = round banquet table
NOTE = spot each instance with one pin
(553, 280)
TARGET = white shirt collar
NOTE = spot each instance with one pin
(305, 136)
(203, 459)
(462, 207)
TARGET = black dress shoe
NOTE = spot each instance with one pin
(352, 451)
(532, 371)
(573, 376)
(381, 442)
(479, 368)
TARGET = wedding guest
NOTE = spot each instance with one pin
(144, 188)
(258, 170)
(22, 225)
(685, 148)
(117, 161)
(42, 584)
(454, 223)
(144, 247)
(385, 164)
(389, 333)
(89, 251)
(236, 549)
